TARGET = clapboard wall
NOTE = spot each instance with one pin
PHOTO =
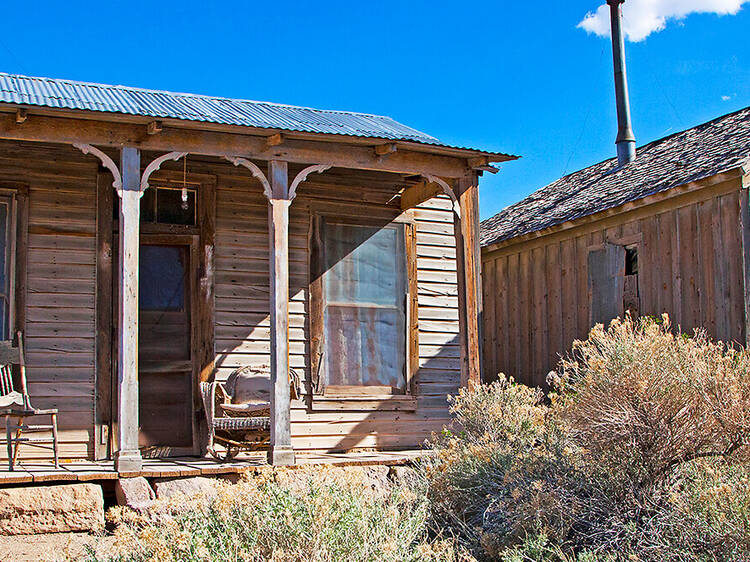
(689, 242)
(60, 312)
(242, 323)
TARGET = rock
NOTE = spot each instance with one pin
(194, 486)
(406, 476)
(51, 509)
(373, 478)
(135, 493)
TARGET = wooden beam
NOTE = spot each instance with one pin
(128, 457)
(385, 149)
(154, 127)
(104, 317)
(21, 115)
(280, 451)
(274, 140)
(212, 143)
(468, 263)
(478, 162)
(418, 194)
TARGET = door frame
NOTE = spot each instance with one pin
(105, 435)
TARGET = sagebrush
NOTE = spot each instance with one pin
(641, 453)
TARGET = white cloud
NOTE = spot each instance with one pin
(641, 18)
(727, 98)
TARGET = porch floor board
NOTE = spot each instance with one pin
(27, 472)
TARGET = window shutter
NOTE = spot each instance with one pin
(606, 283)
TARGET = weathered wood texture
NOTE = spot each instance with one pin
(242, 305)
(59, 321)
(537, 294)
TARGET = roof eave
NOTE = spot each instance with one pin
(414, 146)
(672, 192)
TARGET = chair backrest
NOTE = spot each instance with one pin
(9, 356)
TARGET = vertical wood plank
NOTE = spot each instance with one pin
(689, 268)
(705, 242)
(515, 349)
(721, 287)
(105, 194)
(539, 359)
(745, 234)
(524, 326)
(677, 318)
(489, 331)
(648, 265)
(731, 233)
(469, 267)
(206, 282)
(412, 320)
(554, 275)
(569, 293)
(582, 287)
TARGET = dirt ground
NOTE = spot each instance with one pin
(51, 547)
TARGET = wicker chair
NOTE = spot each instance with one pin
(17, 405)
(237, 426)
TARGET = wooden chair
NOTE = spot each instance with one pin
(14, 404)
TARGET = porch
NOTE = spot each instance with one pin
(42, 472)
(152, 256)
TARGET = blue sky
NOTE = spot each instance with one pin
(517, 77)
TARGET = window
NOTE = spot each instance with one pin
(364, 306)
(167, 204)
(6, 265)
(631, 297)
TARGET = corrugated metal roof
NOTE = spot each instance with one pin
(69, 94)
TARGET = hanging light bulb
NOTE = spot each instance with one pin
(184, 185)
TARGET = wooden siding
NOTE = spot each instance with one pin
(60, 315)
(242, 321)
(537, 297)
(61, 272)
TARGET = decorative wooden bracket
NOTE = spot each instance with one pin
(257, 173)
(302, 176)
(156, 164)
(106, 161)
(447, 190)
(21, 115)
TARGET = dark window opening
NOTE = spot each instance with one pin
(167, 204)
(631, 296)
(631, 261)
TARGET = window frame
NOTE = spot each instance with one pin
(16, 195)
(317, 384)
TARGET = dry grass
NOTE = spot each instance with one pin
(308, 515)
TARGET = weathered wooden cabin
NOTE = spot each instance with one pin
(153, 240)
(667, 232)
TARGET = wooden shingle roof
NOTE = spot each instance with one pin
(703, 151)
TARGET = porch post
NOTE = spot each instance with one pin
(468, 263)
(128, 457)
(280, 452)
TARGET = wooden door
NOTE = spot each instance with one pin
(166, 358)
